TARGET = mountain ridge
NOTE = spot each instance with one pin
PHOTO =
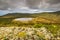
(28, 14)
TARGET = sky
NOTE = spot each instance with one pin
(28, 6)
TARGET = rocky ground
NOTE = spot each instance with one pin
(25, 33)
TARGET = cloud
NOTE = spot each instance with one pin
(12, 4)
(53, 1)
(33, 3)
(30, 4)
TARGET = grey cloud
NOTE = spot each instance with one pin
(53, 1)
(5, 4)
(31, 4)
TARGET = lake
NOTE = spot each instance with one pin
(23, 19)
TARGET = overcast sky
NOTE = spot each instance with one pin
(29, 6)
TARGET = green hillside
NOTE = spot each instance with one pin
(46, 22)
(53, 16)
(45, 17)
(21, 15)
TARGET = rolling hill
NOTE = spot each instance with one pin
(45, 17)
(21, 15)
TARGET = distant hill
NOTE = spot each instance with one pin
(16, 15)
(21, 15)
(47, 16)
(31, 15)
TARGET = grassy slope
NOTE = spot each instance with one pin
(6, 20)
(46, 17)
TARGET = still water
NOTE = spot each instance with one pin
(23, 19)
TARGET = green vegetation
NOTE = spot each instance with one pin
(45, 18)
(51, 21)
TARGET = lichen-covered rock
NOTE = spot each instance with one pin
(22, 33)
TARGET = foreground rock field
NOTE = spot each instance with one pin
(26, 33)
